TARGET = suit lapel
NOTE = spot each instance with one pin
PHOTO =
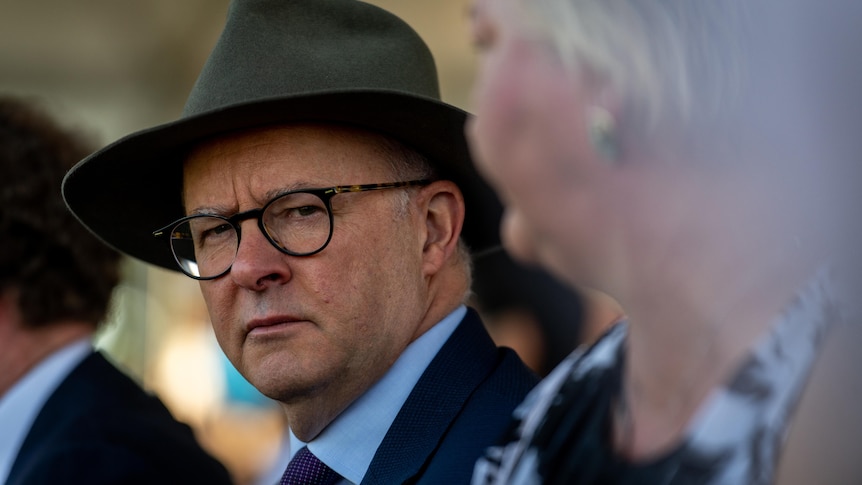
(464, 361)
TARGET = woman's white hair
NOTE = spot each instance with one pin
(667, 59)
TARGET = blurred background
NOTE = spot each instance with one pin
(111, 67)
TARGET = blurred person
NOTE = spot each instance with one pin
(67, 414)
(530, 311)
(698, 162)
(317, 186)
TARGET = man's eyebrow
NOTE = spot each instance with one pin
(273, 193)
(223, 211)
(227, 211)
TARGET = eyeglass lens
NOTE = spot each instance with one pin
(205, 246)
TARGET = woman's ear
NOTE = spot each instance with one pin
(443, 213)
(602, 121)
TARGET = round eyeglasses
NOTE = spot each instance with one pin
(298, 223)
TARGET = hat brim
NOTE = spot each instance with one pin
(132, 187)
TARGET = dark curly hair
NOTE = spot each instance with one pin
(57, 268)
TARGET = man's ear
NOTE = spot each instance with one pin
(443, 213)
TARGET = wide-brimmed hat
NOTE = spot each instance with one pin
(283, 61)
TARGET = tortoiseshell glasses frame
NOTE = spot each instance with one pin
(298, 223)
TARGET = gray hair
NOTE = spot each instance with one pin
(405, 164)
(669, 59)
(408, 164)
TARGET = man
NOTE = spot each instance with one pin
(67, 415)
(315, 183)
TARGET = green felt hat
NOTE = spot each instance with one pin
(282, 61)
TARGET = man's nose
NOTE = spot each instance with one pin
(258, 264)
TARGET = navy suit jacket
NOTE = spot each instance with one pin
(462, 404)
(100, 427)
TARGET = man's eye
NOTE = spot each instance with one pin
(215, 231)
(221, 229)
(306, 210)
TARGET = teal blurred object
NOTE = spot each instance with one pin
(239, 391)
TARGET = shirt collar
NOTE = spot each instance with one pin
(22, 403)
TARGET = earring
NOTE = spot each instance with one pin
(603, 133)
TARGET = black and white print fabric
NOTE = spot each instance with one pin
(560, 433)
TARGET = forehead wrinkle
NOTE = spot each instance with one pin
(243, 164)
(243, 185)
(223, 163)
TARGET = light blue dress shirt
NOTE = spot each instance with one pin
(349, 443)
(22, 403)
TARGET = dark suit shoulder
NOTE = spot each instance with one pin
(99, 426)
(461, 405)
(483, 420)
(511, 378)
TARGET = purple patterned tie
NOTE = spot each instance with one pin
(305, 469)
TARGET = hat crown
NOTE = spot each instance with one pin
(278, 48)
(283, 61)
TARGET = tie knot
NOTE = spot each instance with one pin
(306, 469)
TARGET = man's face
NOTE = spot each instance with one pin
(329, 324)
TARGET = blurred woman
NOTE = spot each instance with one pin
(697, 162)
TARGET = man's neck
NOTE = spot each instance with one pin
(310, 415)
